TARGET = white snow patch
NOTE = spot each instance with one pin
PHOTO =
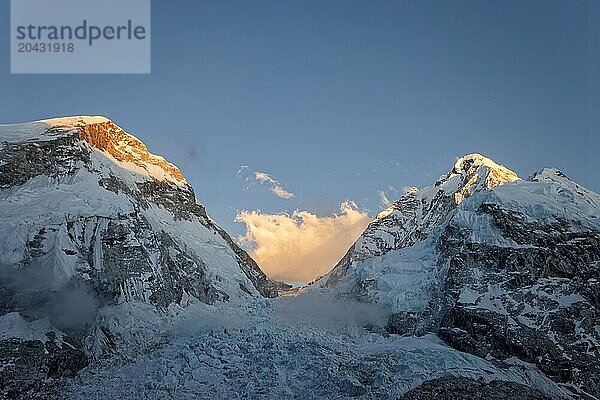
(13, 326)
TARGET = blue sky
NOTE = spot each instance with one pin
(340, 99)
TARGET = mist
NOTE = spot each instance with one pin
(34, 293)
(326, 310)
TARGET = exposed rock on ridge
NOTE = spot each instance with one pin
(495, 266)
(89, 216)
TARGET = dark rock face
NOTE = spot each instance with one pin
(182, 203)
(134, 260)
(129, 247)
(537, 302)
(23, 161)
(33, 369)
(108, 257)
(469, 389)
(403, 323)
(516, 270)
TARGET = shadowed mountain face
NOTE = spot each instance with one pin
(496, 266)
(89, 216)
(85, 185)
(470, 389)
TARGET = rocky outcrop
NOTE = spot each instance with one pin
(411, 218)
(90, 216)
(471, 389)
(23, 161)
(497, 267)
(536, 301)
(33, 369)
(125, 148)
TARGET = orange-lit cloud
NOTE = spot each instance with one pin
(301, 246)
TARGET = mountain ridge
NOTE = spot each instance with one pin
(91, 218)
(114, 282)
(494, 265)
(418, 211)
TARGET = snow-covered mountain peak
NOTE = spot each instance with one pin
(550, 175)
(496, 266)
(470, 174)
(46, 129)
(481, 171)
(124, 149)
(85, 205)
(411, 218)
(75, 121)
(129, 151)
(470, 162)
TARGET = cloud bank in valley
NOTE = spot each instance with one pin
(301, 246)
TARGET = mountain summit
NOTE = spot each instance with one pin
(76, 179)
(91, 217)
(411, 218)
(495, 266)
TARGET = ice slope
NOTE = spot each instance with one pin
(264, 354)
(88, 213)
(497, 266)
(102, 174)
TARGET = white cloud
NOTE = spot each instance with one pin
(281, 192)
(242, 170)
(264, 179)
(274, 186)
(383, 196)
(301, 246)
(385, 202)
